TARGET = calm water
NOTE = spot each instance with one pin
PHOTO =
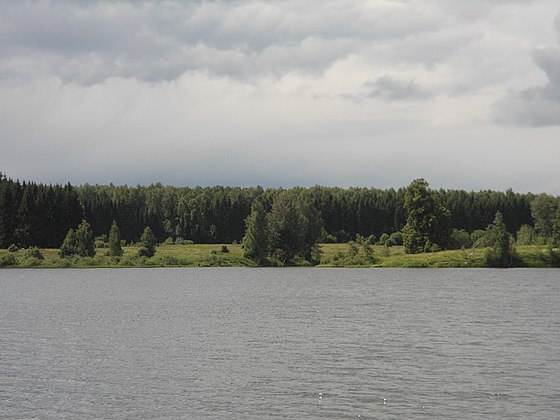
(263, 343)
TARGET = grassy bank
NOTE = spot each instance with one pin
(332, 255)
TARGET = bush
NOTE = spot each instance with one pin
(460, 238)
(34, 252)
(168, 241)
(383, 239)
(396, 238)
(225, 249)
(100, 244)
(13, 248)
(8, 260)
(145, 252)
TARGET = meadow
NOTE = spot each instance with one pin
(231, 255)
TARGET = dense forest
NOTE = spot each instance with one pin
(40, 215)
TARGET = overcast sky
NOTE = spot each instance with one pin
(280, 93)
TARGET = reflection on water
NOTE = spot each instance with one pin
(286, 343)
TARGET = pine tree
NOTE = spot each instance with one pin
(255, 241)
(115, 248)
(501, 252)
(148, 243)
(70, 245)
(86, 240)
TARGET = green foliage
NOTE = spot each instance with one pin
(34, 252)
(256, 240)
(460, 238)
(427, 226)
(183, 241)
(395, 239)
(478, 238)
(284, 228)
(526, 235)
(115, 248)
(225, 249)
(501, 252)
(70, 245)
(13, 248)
(85, 246)
(168, 241)
(543, 210)
(357, 254)
(383, 238)
(8, 260)
(556, 230)
(147, 243)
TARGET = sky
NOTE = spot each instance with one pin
(282, 93)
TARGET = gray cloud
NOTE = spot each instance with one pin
(273, 92)
(538, 106)
(86, 42)
(391, 89)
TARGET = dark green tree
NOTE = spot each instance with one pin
(501, 252)
(69, 245)
(86, 240)
(543, 209)
(148, 243)
(284, 227)
(310, 226)
(427, 225)
(255, 241)
(115, 248)
(556, 230)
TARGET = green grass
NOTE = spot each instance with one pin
(211, 256)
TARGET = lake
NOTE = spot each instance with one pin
(280, 343)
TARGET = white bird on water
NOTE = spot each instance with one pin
(320, 395)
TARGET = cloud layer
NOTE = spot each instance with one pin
(280, 93)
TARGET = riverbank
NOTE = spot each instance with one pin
(231, 255)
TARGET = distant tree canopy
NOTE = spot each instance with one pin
(291, 229)
(40, 215)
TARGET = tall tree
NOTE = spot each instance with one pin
(69, 246)
(86, 240)
(543, 209)
(115, 248)
(284, 228)
(427, 224)
(501, 252)
(255, 241)
(556, 230)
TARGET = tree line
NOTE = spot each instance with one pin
(41, 215)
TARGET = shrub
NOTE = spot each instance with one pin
(396, 238)
(34, 252)
(168, 241)
(224, 249)
(145, 252)
(8, 260)
(460, 238)
(13, 248)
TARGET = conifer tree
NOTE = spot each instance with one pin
(115, 248)
(69, 245)
(148, 243)
(86, 240)
(255, 241)
(501, 252)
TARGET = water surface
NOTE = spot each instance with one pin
(284, 343)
